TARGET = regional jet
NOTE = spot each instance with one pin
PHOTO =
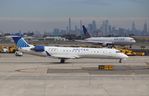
(64, 53)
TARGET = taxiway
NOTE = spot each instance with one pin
(39, 76)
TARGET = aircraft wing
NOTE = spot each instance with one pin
(81, 40)
(66, 56)
(105, 42)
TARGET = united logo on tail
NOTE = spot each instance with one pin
(20, 42)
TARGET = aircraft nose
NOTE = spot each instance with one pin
(124, 56)
(134, 41)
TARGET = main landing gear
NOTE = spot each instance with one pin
(110, 46)
(62, 61)
(120, 60)
(130, 46)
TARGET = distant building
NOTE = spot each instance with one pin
(145, 32)
(55, 38)
(69, 26)
(77, 31)
(94, 25)
(1, 34)
(133, 29)
(67, 30)
(90, 29)
(56, 32)
(105, 28)
(95, 33)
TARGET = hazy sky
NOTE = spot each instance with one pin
(43, 15)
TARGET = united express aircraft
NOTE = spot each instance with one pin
(64, 53)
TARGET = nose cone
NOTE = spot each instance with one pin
(123, 56)
(133, 41)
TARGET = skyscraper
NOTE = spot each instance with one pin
(133, 29)
(145, 29)
(90, 29)
(81, 26)
(105, 27)
(69, 26)
(94, 25)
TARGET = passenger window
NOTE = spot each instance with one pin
(118, 52)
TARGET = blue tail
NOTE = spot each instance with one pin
(20, 42)
(87, 35)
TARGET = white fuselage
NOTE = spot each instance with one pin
(77, 52)
(111, 40)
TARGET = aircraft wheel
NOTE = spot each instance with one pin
(62, 61)
(120, 61)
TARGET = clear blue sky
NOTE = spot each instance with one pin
(71, 8)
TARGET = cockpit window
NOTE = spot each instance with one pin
(131, 39)
(118, 52)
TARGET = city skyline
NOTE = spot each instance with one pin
(47, 25)
(105, 29)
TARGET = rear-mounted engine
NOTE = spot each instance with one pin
(38, 48)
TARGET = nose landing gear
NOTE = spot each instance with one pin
(120, 60)
(62, 61)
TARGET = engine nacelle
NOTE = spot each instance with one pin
(104, 44)
(38, 48)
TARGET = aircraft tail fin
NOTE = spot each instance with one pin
(20, 42)
(86, 34)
